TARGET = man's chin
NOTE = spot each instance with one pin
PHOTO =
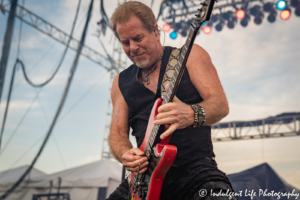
(142, 64)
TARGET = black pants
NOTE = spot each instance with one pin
(196, 180)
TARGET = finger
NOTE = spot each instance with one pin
(166, 121)
(165, 108)
(168, 132)
(143, 171)
(136, 163)
(138, 152)
(167, 87)
(131, 158)
(169, 114)
(135, 169)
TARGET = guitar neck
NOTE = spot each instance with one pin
(180, 66)
(174, 83)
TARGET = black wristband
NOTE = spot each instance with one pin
(199, 115)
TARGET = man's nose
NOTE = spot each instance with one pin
(134, 46)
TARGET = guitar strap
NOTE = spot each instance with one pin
(170, 69)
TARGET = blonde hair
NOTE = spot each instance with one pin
(133, 8)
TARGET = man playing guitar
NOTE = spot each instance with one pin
(134, 92)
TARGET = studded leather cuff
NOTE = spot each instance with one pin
(199, 115)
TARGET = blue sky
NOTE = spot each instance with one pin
(258, 67)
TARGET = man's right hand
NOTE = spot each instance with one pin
(132, 158)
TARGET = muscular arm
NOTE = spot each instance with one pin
(204, 77)
(118, 139)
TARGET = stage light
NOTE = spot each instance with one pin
(206, 30)
(173, 35)
(254, 10)
(280, 5)
(297, 11)
(178, 26)
(209, 23)
(215, 18)
(231, 22)
(240, 14)
(166, 27)
(272, 16)
(285, 14)
(204, 23)
(183, 33)
(268, 7)
(258, 18)
(227, 15)
(244, 22)
(189, 22)
(219, 26)
(295, 3)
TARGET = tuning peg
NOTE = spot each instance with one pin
(204, 4)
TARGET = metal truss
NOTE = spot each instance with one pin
(284, 126)
(57, 34)
(189, 8)
(176, 11)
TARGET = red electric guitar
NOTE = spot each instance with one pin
(161, 155)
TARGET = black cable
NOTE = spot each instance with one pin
(19, 124)
(62, 59)
(82, 97)
(24, 154)
(29, 81)
(72, 71)
(53, 136)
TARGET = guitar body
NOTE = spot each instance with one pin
(161, 159)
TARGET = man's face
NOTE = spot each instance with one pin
(140, 46)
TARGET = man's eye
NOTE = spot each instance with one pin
(125, 43)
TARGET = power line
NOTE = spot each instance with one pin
(48, 50)
(83, 96)
(20, 122)
(53, 136)
(22, 156)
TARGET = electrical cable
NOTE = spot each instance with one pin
(22, 156)
(72, 71)
(53, 136)
(81, 19)
(83, 96)
(19, 124)
(28, 80)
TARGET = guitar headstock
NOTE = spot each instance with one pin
(204, 13)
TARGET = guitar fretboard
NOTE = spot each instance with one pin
(174, 83)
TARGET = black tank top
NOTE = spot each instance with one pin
(191, 143)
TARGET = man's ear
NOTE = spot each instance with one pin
(156, 31)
